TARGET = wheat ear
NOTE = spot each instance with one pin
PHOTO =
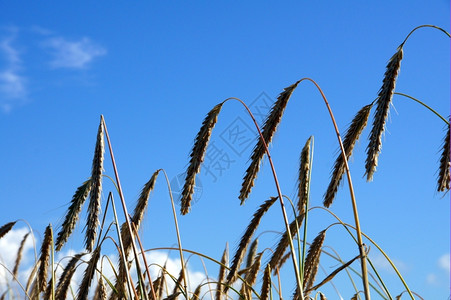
(383, 105)
(197, 157)
(284, 243)
(269, 128)
(303, 177)
(19, 255)
(6, 228)
(312, 261)
(83, 290)
(351, 137)
(72, 214)
(443, 175)
(251, 277)
(100, 293)
(66, 277)
(222, 273)
(196, 294)
(333, 274)
(96, 189)
(246, 238)
(266, 284)
(44, 258)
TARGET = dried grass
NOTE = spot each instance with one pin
(96, 190)
(284, 243)
(444, 174)
(222, 273)
(6, 228)
(269, 128)
(246, 238)
(72, 215)
(351, 137)
(44, 258)
(66, 277)
(19, 255)
(83, 290)
(383, 105)
(312, 261)
(304, 177)
(197, 157)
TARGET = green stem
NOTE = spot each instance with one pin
(425, 105)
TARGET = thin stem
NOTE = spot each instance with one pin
(282, 205)
(121, 195)
(122, 251)
(421, 26)
(179, 241)
(353, 200)
(145, 263)
(425, 105)
(374, 243)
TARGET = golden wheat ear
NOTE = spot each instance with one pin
(269, 128)
(44, 258)
(312, 261)
(197, 157)
(83, 290)
(351, 137)
(444, 174)
(383, 105)
(246, 238)
(73, 213)
(304, 177)
(6, 228)
(19, 255)
(96, 189)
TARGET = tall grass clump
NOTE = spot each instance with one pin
(254, 270)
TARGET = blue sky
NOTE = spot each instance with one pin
(154, 69)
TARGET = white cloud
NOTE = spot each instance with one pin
(9, 245)
(381, 263)
(444, 262)
(432, 279)
(12, 83)
(73, 54)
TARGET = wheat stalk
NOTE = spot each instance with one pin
(251, 277)
(83, 290)
(197, 157)
(312, 261)
(100, 293)
(44, 258)
(246, 238)
(6, 228)
(72, 214)
(383, 105)
(222, 273)
(284, 243)
(269, 128)
(196, 294)
(266, 284)
(19, 255)
(333, 274)
(351, 137)
(251, 253)
(66, 277)
(303, 177)
(96, 189)
(444, 176)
